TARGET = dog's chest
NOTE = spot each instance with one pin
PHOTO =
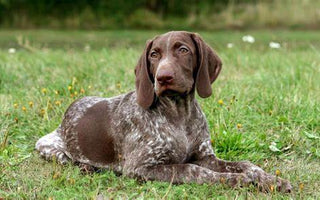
(181, 147)
(169, 142)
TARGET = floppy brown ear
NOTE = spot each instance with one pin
(144, 85)
(209, 67)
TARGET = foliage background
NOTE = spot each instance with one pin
(160, 14)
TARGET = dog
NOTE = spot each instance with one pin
(157, 132)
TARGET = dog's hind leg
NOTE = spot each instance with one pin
(52, 147)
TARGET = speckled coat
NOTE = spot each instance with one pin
(148, 135)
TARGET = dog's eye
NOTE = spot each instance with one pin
(154, 54)
(183, 49)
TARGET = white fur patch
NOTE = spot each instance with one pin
(52, 145)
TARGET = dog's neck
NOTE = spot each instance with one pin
(176, 107)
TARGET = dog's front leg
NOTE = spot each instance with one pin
(188, 173)
(206, 158)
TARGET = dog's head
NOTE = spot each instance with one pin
(175, 63)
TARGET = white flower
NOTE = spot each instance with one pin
(12, 50)
(230, 45)
(274, 45)
(87, 48)
(248, 38)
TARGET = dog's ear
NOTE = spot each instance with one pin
(208, 69)
(144, 85)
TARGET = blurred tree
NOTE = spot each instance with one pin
(120, 13)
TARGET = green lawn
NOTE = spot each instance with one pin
(265, 108)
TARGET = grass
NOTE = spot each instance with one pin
(265, 108)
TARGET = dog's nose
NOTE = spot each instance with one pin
(164, 77)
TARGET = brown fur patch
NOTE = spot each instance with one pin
(94, 137)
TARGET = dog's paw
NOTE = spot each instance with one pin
(284, 185)
(267, 182)
(272, 183)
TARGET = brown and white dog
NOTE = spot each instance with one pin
(158, 131)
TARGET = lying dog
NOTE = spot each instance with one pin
(157, 132)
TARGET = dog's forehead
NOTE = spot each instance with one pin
(168, 39)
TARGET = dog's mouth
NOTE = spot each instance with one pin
(170, 91)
